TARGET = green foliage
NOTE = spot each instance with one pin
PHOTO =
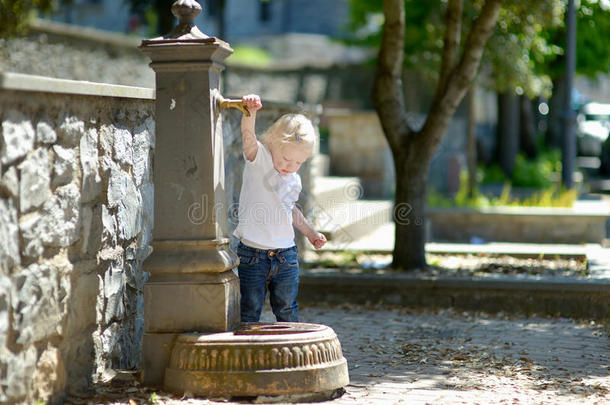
(424, 24)
(154, 398)
(592, 33)
(491, 174)
(15, 14)
(518, 42)
(547, 193)
(511, 52)
(251, 56)
(151, 19)
(461, 199)
(536, 173)
(551, 196)
(464, 199)
(592, 50)
(525, 51)
(527, 173)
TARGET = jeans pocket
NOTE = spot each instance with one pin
(247, 260)
(245, 257)
(291, 258)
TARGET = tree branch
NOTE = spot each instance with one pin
(481, 30)
(453, 23)
(388, 97)
(460, 79)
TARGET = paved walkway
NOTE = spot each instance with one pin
(397, 356)
(402, 357)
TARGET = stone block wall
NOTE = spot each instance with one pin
(76, 218)
(76, 213)
(358, 147)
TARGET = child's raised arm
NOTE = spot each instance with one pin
(248, 136)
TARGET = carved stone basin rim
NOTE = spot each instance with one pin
(262, 332)
(277, 328)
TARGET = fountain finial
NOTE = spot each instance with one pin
(186, 11)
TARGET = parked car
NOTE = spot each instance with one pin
(593, 128)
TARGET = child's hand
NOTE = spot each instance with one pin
(253, 102)
(317, 239)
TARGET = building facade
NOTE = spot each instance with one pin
(242, 18)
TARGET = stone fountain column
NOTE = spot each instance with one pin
(193, 340)
(192, 287)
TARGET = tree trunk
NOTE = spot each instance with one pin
(508, 132)
(410, 213)
(413, 150)
(472, 143)
(529, 139)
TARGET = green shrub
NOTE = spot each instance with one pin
(491, 174)
(549, 196)
(536, 173)
(461, 199)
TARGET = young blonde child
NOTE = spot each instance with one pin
(268, 212)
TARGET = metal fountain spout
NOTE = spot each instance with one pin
(232, 103)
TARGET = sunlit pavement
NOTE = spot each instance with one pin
(411, 357)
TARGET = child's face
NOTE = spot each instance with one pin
(288, 158)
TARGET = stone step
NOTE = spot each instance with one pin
(381, 241)
(378, 240)
(345, 223)
(329, 191)
(569, 297)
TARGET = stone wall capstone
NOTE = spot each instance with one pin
(76, 216)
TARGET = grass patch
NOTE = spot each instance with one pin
(251, 56)
(550, 196)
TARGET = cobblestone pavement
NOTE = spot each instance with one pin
(402, 357)
(397, 356)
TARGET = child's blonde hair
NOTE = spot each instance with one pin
(295, 129)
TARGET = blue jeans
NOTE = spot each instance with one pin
(276, 270)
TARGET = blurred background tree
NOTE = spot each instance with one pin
(413, 148)
(157, 13)
(592, 57)
(511, 65)
(15, 14)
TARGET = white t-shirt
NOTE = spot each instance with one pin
(266, 201)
